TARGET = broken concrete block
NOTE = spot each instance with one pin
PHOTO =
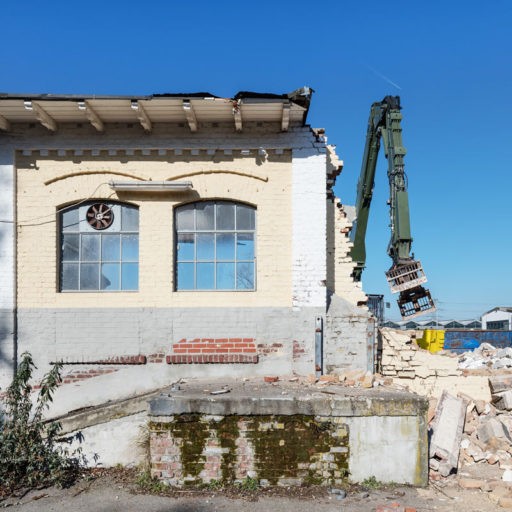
(480, 406)
(504, 352)
(503, 400)
(492, 427)
(447, 431)
(500, 383)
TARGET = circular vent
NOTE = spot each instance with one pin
(100, 216)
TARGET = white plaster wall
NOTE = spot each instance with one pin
(309, 272)
(116, 442)
(386, 447)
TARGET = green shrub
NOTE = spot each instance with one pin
(31, 452)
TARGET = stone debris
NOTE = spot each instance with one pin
(486, 356)
(447, 428)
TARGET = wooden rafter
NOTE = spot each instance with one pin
(91, 115)
(190, 115)
(285, 119)
(4, 124)
(237, 114)
(142, 116)
(42, 116)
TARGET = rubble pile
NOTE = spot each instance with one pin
(466, 433)
(486, 357)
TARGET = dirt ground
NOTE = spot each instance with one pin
(111, 491)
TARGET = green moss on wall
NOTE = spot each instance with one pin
(194, 433)
(294, 446)
(228, 433)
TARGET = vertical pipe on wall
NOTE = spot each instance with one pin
(319, 335)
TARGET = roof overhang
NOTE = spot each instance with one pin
(193, 110)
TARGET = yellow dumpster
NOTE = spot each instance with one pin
(432, 340)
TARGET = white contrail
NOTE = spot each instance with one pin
(380, 75)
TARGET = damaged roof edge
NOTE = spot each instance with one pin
(301, 97)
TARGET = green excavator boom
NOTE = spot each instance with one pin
(406, 274)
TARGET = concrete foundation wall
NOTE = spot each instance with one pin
(289, 440)
(127, 434)
(388, 448)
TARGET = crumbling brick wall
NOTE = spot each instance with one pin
(425, 373)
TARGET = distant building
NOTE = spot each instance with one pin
(434, 324)
(498, 318)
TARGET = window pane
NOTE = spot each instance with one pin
(70, 247)
(69, 276)
(89, 276)
(129, 218)
(186, 247)
(245, 276)
(130, 276)
(244, 217)
(226, 247)
(110, 248)
(90, 250)
(70, 220)
(205, 279)
(185, 218)
(245, 246)
(204, 216)
(225, 216)
(225, 276)
(109, 279)
(130, 247)
(205, 247)
(185, 276)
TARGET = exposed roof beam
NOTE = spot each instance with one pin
(190, 115)
(285, 120)
(41, 115)
(91, 115)
(237, 114)
(4, 124)
(141, 115)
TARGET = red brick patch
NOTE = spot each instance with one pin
(208, 347)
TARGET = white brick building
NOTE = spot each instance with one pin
(499, 318)
(190, 233)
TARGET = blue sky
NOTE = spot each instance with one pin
(450, 61)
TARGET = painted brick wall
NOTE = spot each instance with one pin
(6, 264)
(309, 227)
(76, 335)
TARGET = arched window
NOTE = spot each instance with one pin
(99, 248)
(215, 246)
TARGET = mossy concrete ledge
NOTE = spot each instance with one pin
(277, 437)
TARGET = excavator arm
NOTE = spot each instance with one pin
(406, 274)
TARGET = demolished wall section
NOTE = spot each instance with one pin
(425, 373)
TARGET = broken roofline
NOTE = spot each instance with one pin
(295, 96)
(193, 108)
